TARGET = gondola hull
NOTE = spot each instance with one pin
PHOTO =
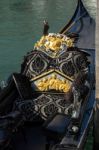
(46, 86)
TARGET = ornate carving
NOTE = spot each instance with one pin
(81, 62)
(38, 64)
(53, 44)
(68, 68)
(53, 83)
(50, 109)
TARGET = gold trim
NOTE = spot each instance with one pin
(60, 73)
(53, 44)
(53, 83)
(43, 74)
(49, 72)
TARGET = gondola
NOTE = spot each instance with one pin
(49, 105)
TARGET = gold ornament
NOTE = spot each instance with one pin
(53, 83)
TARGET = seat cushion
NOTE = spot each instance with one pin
(56, 126)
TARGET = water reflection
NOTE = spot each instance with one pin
(21, 6)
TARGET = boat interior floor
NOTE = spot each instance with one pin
(30, 138)
(41, 135)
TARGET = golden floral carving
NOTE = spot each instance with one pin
(54, 43)
(54, 83)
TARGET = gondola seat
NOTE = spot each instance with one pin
(23, 86)
(55, 128)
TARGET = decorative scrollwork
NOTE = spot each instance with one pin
(67, 68)
(81, 62)
(38, 65)
(50, 109)
(41, 100)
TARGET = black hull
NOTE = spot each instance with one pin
(7, 97)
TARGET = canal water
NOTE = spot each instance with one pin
(21, 25)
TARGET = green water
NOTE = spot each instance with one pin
(21, 24)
